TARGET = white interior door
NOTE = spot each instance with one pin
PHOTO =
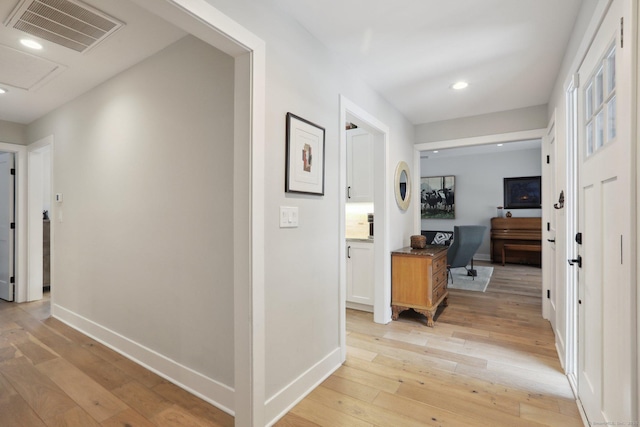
(6, 233)
(605, 210)
(360, 150)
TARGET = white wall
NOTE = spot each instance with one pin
(14, 133)
(528, 118)
(479, 187)
(302, 277)
(143, 244)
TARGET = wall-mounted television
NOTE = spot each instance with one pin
(522, 193)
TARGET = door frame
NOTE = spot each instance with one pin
(34, 217)
(549, 269)
(20, 256)
(349, 111)
(571, 221)
(203, 20)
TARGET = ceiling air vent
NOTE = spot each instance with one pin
(69, 23)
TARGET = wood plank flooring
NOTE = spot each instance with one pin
(489, 361)
(52, 375)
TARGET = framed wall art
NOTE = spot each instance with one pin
(437, 199)
(304, 171)
(522, 193)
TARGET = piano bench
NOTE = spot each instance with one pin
(522, 248)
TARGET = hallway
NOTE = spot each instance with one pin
(489, 361)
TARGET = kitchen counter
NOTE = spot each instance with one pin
(360, 239)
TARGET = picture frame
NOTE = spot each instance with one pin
(305, 145)
(437, 197)
(523, 192)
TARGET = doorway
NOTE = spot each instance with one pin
(352, 113)
(7, 225)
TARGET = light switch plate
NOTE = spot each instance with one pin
(288, 216)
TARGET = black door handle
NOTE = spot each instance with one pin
(551, 240)
(576, 261)
(349, 252)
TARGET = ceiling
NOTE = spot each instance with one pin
(410, 51)
(40, 81)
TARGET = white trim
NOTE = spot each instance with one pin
(417, 204)
(571, 220)
(548, 193)
(358, 306)
(21, 272)
(524, 135)
(282, 402)
(208, 389)
(204, 21)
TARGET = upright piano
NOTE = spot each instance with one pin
(523, 237)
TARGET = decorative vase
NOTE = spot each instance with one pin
(500, 212)
(509, 214)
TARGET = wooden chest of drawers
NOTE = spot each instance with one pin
(419, 280)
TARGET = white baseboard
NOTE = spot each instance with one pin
(208, 389)
(358, 306)
(282, 402)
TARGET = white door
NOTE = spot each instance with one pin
(359, 166)
(360, 277)
(6, 233)
(605, 383)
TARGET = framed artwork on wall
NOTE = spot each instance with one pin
(437, 199)
(304, 170)
(522, 193)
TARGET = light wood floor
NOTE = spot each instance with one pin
(489, 361)
(51, 375)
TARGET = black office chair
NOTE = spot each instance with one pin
(466, 241)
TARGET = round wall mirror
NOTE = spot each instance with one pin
(402, 186)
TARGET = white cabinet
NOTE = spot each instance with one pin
(360, 275)
(359, 166)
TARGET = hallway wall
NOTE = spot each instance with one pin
(143, 243)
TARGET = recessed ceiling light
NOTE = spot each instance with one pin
(435, 151)
(459, 85)
(3, 90)
(499, 145)
(31, 44)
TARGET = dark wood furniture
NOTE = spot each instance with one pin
(516, 240)
(419, 280)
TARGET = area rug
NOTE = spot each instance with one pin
(468, 283)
